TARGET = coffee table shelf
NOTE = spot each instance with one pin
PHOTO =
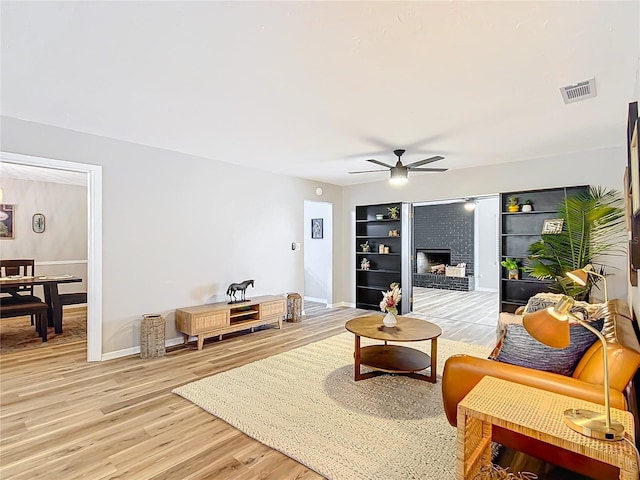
(394, 358)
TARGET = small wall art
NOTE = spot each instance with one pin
(316, 228)
(552, 226)
(38, 223)
(6, 221)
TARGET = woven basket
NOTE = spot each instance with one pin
(152, 332)
(294, 307)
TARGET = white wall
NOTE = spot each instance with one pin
(177, 229)
(62, 247)
(603, 167)
(486, 244)
(318, 253)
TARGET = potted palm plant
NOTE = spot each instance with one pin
(594, 226)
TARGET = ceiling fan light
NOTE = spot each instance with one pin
(399, 175)
(398, 180)
(470, 205)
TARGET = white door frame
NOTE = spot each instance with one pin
(328, 235)
(94, 240)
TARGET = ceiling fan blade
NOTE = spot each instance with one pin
(429, 169)
(379, 163)
(370, 171)
(425, 161)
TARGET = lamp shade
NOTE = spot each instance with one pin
(581, 275)
(578, 276)
(546, 327)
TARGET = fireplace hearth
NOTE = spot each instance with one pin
(427, 259)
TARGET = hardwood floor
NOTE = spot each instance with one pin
(64, 418)
(469, 317)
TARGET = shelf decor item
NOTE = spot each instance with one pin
(394, 212)
(365, 246)
(551, 327)
(512, 204)
(512, 267)
(379, 216)
(365, 264)
(389, 304)
(241, 287)
(552, 226)
(527, 206)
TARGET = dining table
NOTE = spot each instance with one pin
(11, 284)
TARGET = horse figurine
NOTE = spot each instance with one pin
(242, 287)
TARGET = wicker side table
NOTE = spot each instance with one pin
(537, 414)
(152, 333)
(294, 307)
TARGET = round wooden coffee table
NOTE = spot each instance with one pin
(394, 358)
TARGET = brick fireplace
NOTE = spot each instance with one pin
(443, 234)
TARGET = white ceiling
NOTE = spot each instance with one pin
(312, 89)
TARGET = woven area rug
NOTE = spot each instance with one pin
(306, 404)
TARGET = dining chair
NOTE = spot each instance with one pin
(24, 268)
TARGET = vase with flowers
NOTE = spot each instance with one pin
(389, 304)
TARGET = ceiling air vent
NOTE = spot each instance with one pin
(579, 91)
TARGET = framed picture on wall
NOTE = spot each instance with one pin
(634, 154)
(316, 228)
(7, 228)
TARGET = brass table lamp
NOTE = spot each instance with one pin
(551, 327)
(581, 276)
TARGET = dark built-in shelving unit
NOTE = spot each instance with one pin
(518, 230)
(386, 268)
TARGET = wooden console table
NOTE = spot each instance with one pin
(537, 414)
(213, 319)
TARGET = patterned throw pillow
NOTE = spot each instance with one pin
(519, 348)
(539, 302)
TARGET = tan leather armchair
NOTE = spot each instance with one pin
(462, 373)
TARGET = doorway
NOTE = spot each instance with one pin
(94, 239)
(461, 233)
(318, 252)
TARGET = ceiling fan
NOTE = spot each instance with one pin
(400, 172)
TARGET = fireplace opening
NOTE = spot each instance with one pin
(428, 258)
